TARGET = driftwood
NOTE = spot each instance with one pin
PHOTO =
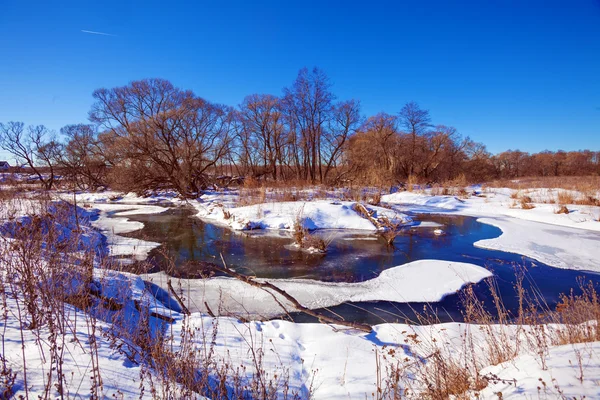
(367, 214)
(184, 309)
(268, 286)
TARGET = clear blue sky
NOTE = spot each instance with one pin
(511, 73)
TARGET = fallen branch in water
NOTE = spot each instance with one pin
(270, 287)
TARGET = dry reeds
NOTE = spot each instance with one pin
(60, 294)
(306, 240)
(442, 368)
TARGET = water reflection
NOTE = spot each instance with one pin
(351, 257)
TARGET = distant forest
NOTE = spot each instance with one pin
(150, 135)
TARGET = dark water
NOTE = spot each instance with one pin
(353, 257)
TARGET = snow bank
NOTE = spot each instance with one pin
(499, 202)
(418, 281)
(112, 221)
(318, 214)
(561, 240)
(525, 377)
(438, 202)
(113, 197)
(560, 247)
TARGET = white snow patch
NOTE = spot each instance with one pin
(112, 222)
(560, 247)
(318, 214)
(558, 379)
(560, 240)
(418, 281)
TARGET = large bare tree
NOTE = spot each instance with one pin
(262, 134)
(345, 121)
(167, 136)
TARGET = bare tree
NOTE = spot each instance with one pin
(169, 137)
(344, 122)
(34, 147)
(373, 151)
(308, 104)
(82, 157)
(416, 122)
(262, 134)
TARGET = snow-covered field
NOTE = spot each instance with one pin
(329, 362)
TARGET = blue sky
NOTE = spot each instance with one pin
(510, 74)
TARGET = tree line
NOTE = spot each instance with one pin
(150, 135)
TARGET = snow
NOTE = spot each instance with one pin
(118, 374)
(560, 240)
(424, 202)
(112, 221)
(336, 363)
(317, 214)
(561, 247)
(418, 281)
(559, 378)
(498, 202)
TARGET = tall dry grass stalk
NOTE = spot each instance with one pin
(63, 296)
(444, 368)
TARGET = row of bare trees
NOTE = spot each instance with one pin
(149, 135)
(515, 163)
(301, 135)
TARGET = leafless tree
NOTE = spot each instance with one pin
(373, 151)
(262, 134)
(82, 158)
(416, 122)
(309, 103)
(35, 147)
(344, 122)
(167, 136)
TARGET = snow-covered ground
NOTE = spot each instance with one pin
(500, 202)
(336, 363)
(316, 214)
(328, 362)
(561, 240)
(112, 212)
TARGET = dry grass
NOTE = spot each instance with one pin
(577, 183)
(255, 192)
(527, 203)
(306, 240)
(411, 182)
(49, 273)
(580, 190)
(564, 197)
(440, 368)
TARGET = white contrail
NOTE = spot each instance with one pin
(97, 33)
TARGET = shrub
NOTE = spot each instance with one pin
(526, 203)
(564, 197)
